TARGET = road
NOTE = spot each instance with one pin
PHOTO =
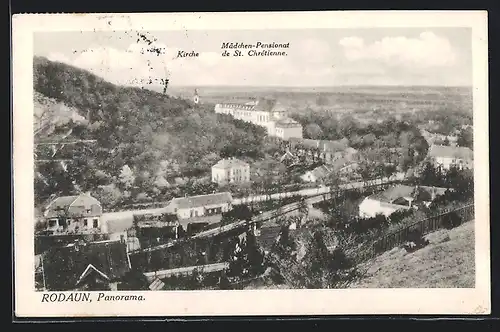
(267, 215)
(316, 191)
(122, 220)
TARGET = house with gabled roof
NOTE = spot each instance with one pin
(86, 266)
(200, 205)
(318, 174)
(447, 156)
(397, 198)
(77, 214)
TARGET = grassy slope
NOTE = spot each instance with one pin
(442, 264)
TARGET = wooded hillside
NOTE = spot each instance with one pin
(143, 137)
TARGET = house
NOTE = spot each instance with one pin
(86, 266)
(316, 175)
(201, 205)
(439, 139)
(231, 171)
(286, 128)
(325, 150)
(332, 150)
(396, 198)
(81, 213)
(447, 156)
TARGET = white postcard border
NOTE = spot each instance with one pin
(265, 302)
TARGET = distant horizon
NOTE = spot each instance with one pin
(318, 86)
(155, 87)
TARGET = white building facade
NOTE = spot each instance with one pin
(446, 156)
(200, 205)
(76, 214)
(231, 171)
(266, 113)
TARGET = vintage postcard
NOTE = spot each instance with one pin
(272, 163)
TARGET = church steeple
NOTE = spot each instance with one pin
(196, 98)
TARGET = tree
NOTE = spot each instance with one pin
(127, 176)
(303, 209)
(134, 280)
(313, 131)
(248, 259)
(238, 212)
(465, 138)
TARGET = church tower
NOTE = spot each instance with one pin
(196, 98)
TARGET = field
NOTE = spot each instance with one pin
(341, 98)
(448, 261)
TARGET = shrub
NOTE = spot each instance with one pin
(451, 220)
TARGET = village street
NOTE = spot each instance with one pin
(122, 220)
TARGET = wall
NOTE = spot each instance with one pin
(186, 213)
(446, 162)
(220, 175)
(71, 223)
(289, 132)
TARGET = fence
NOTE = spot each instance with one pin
(45, 242)
(422, 227)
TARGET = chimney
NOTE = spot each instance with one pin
(122, 238)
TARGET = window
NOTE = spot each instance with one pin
(196, 213)
(85, 222)
(191, 213)
(96, 223)
(52, 222)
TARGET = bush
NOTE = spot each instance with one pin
(415, 241)
(451, 220)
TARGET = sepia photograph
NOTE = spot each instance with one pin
(328, 158)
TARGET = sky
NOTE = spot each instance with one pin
(316, 57)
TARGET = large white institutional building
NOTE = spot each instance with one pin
(267, 113)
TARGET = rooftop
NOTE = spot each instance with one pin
(64, 266)
(230, 163)
(202, 200)
(321, 171)
(342, 162)
(451, 152)
(334, 146)
(287, 123)
(260, 104)
(400, 191)
(62, 205)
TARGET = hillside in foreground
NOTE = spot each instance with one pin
(447, 262)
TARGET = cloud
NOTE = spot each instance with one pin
(428, 50)
(351, 42)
